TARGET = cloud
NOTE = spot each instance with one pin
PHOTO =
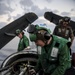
(49, 1)
(65, 13)
(38, 11)
(2, 24)
(5, 7)
(73, 18)
(25, 5)
(73, 0)
(73, 10)
(40, 21)
(29, 6)
(69, 14)
(17, 16)
(55, 11)
(9, 17)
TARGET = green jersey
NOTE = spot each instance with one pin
(23, 43)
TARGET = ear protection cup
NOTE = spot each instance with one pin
(45, 34)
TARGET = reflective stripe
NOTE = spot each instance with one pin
(54, 52)
(67, 32)
(59, 30)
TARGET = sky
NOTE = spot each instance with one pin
(11, 10)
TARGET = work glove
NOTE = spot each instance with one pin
(32, 72)
(27, 48)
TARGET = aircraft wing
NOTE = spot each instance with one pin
(7, 33)
(55, 19)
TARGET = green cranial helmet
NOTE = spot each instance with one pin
(33, 37)
(18, 31)
(41, 33)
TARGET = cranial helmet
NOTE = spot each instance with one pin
(38, 33)
(32, 37)
(18, 31)
(66, 19)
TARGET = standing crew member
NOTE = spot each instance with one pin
(24, 41)
(64, 30)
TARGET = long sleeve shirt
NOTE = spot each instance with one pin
(55, 57)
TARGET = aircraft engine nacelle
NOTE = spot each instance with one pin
(15, 63)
